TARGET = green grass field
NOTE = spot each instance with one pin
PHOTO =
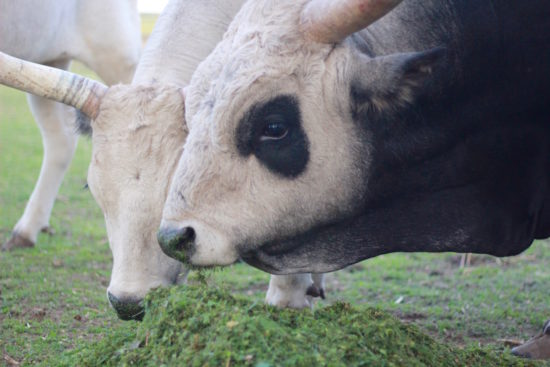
(52, 297)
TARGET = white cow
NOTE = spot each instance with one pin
(138, 131)
(103, 34)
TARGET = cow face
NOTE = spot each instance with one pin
(137, 140)
(274, 151)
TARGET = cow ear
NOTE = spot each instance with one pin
(83, 123)
(390, 82)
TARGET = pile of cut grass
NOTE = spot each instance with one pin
(200, 326)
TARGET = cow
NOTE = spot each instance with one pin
(137, 133)
(323, 133)
(106, 36)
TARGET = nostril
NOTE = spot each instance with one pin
(187, 236)
(176, 242)
(520, 352)
(126, 308)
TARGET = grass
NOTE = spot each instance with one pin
(52, 297)
(205, 326)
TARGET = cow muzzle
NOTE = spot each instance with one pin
(537, 347)
(178, 243)
(127, 308)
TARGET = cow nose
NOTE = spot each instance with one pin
(177, 242)
(127, 309)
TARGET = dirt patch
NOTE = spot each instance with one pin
(36, 314)
(10, 362)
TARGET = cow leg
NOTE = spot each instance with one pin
(59, 138)
(292, 291)
(537, 347)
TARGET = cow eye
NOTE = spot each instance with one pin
(275, 128)
(272, 131)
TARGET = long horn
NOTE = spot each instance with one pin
(330, 21)
(59, 85)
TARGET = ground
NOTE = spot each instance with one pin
(52, 297)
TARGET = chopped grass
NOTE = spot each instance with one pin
(205, 326)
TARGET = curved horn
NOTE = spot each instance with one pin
(59, 85)
(330, 21)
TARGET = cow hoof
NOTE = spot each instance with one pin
(17, 241)
(314, 291)
(537, 347)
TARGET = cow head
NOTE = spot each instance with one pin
(137, 134)
(274, 156)
(137, 139)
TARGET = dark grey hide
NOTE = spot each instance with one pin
(465, 167)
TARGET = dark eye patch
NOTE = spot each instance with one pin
(272, 131)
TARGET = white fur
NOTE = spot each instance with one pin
(185, 33)
(137, 139)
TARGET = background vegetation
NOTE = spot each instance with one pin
(52, 297)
